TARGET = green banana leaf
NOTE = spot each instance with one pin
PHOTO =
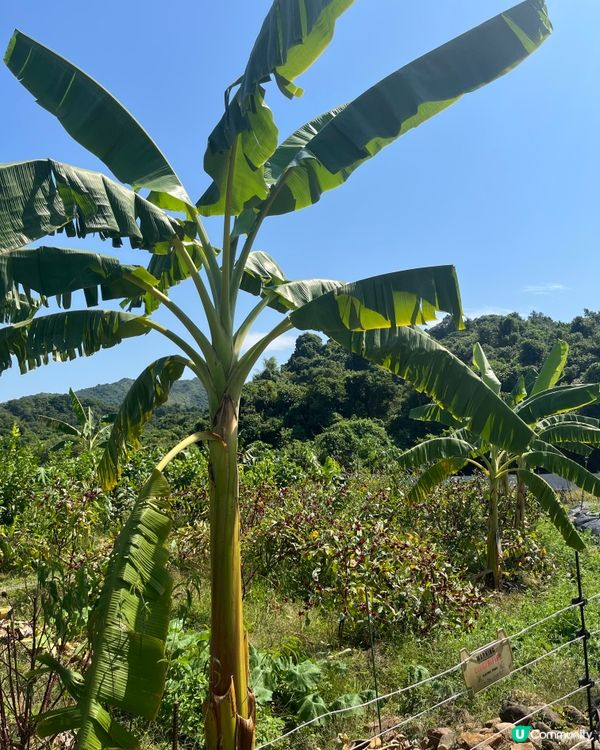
(57, 272)
(128, 632)
(61, 426)
(83, 417)
(393, 299)
(571, 432)
(263, 276)
(261, 271)
(550, 502)
(433, 476)
(519, 392)
(432, 369)
(556, 463)
(95, 119)
(168, 270)
(556, 419)
(149, 391)
(435, 449)
(66, 335)
(16, 307)
(433, 413)
(552, 369)
(403, 100)
(481, 364)
(295, 294)
(254, 135)
(578, 448)
(42, 196)
(293, 35)
(557, 400)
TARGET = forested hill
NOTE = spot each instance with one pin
(321, 384)
(186, 401)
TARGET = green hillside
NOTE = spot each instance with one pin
(186, 404)
(321, 384)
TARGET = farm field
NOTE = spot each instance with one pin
(268, 481)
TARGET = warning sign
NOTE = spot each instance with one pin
(488, 664)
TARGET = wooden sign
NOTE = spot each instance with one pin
(488, 664)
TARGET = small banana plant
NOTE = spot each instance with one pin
(90, 433)
(548, 409)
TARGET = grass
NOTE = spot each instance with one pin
(274, 624)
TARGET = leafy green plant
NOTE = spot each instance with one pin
(548, 410)
(17, 474)
(91, 432)
(252, 177)
(330, 546)
(288, 687)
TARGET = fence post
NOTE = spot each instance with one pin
(586, 680)
(175, 727)
(372, 637)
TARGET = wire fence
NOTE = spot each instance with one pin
(585, 683)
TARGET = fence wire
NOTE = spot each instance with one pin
(450, 670)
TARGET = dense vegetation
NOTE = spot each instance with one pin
(96, 648)
(317, 539)
(321, 385)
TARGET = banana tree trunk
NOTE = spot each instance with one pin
(494, 549)
(520, 504)
(230, 710)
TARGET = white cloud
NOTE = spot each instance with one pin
(548, 288)
(477, 312)
(285, 342)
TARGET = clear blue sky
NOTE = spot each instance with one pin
(504, 184)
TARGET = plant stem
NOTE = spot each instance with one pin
(191, 327)
(230, 709)
(227, 308)
(250, 358)
(210, 262)
(244, 329)
(494, 549)
(238, 271)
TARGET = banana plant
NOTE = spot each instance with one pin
(548, 412)
(253, 176)
(90, 434)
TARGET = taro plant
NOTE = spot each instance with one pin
(548, 410)
(253, 177)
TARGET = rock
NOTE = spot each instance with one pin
(521, 746)
(505, 727)
(574, 715)
(513, 712)
(493, 722)
(571, 740)
(471, 739)
(447, 741)
(541, 726)
(548, 716)
(442, 738)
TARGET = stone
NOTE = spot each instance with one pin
(505, 727)
(513, 712)
(447, 741)
(471, 739)
(548, 716)
(574, 715)
(492, 722)
(521, 746)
